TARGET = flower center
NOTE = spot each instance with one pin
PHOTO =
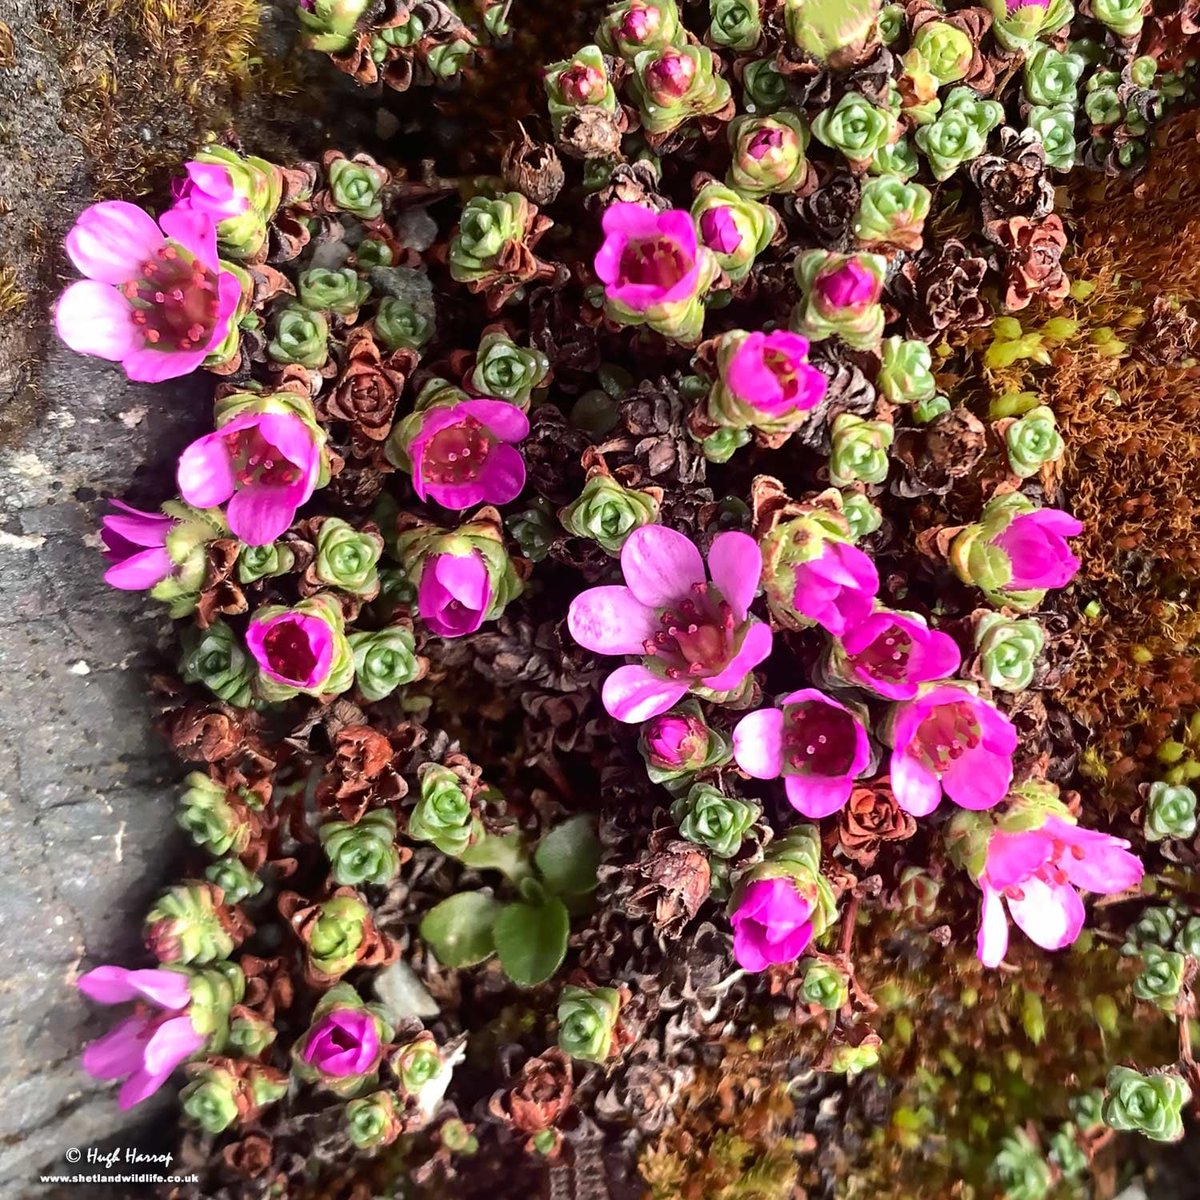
(887, 657)
(656, 263)
(783, 367)
(258, 461)
(697, 635)
(763, 142)
(818, 739)
(175, 302)
(457, 453)
(946, 735)
(289, 651)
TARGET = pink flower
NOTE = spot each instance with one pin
(892, 654)
(763, 142)
(582, 84)
(454, 593)
(155, 298)
(135, 543)
(1035, 544)
(675, 741)
(719, 230)
(266, 464)
(837, 589)
(771, 924)
(648, 258)
(770, 372)
(849, 285)
(210, 189)
(146, 1047)
(1036, 873)
(693, 635)
(463, 455)
(818, 745)
(344, 1042)
(1016, 5)
(950, 740)
(292, 648)
(670, 76)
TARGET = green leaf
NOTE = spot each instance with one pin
(532, 940)
(459, 930)
(568, 857)
(507, 854)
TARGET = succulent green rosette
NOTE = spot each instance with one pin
(234, 878)
(256, 182)
(898, 158)
(824, 985)
(929, 409)
(185, 926)
(443, 815)
(861, 513)
(587, 1018)
(356, 186)
(341, 668)
(891, 213)
(449, 59)
(581, 81)
(215, 658)
(1102, 99)
(400, 324)
(795, 856)
(486, 227)
(1021, 1169)
(631, 26)
(334, 290)
(348, 558)
(1052, 76)
(214, 991)
(735, 24)
(299, 336)
(764, 87)
(363, 851)
(959, 133)
(210, 1100)
(384, 660)
(754, 223)
(1032, 441)
(1161, 977)
(505, 371)
(890, 24)
(1016, 26)
(713, 820)
(207, 817)
(1170, 812)
(1055, 128)
(342, 998)
(767, 154)
(1008, 650)
(1188, 940)
(1154, 928)
(373, 1120)
(674, 84)
(250, 1035)
(829, 30)
(335, 935)
(840, 297)
(1151, 1105)
(945, 50)
(917, 893)
(330, 25)
(859, 450)
(186, 546)
(905, 371)
(371, 252)
(856, 128)
(607, 512)
(264, 562)
(1123, 17)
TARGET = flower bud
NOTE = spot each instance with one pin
(1032, 441)
(340, 291)
(400, 323)
(825, 985)
(264, 562)
(486, 228)
(207, 816)
(374, 1121)
(187, 924)
(1008, 651)
(1151, 1105)
(840, 296)
(735, 24)
(443, 815)
(234, 878)
(329, 25)
(856, 128)
(768, 154)
(239, 193)
(356, 186)
(675, 83)
(299, 336)
(362, 852)
(831, 31)
(733, 227)
(631, 26)
(581, 81)
(858, 453)
(713, 820)
(343, 1046)
(300, 650)
(891, 213)
(347, 557)
(959, 133)
(1017, 23)
(608, 513)
(506, 371)
(905, 371)
(587, 1018)
(383, 661)
(678, 744)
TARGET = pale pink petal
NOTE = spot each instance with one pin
(111, 240)
(817, 796)
(915, 787)
(1050, 916)
(755, 648)
(633, 694)
(735, 564)
(660, 566)
(992, 943)
(195, 231)
(229, 299)
(118, 1052)
(758, 743)
(611, 620)
(1095, 861)
(93, 318)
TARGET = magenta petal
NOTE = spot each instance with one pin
(992, 942)
(755, 648)
(205, 472)
(195, 231)
(229, 299)
(293, 439)
(111, 240)
(735, 563)
(506, 421)
(633, 694)
(915, 787)
(170, 1044)
(455, 496)
(1050, 916)
(610, 620)
(141, 1085)
(93, 318)
(146, 365)
(465, 578)
(758, 743)
(118, 1052)
(660, 566)
(140, 528)
(1012, 857)
(140, 571)
(1106, 866)
(503, 475)
(817, 796)
(259, 514)
(107, 984)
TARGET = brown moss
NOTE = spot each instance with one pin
(12, 298)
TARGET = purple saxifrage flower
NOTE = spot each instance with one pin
(1035, 544)
(454, 593)
(265, 464)
(146, 1047)
(155, 298)
(837, 588)
(892, 654)
(292, 648)
(693, 635)
(719, 230)
(648, 258)
(675, 741)
(949, 740)
(135, 544)
(818, 745)
(1036, 873)
(343, 1043)
(848, 286)
(209, 188)
(771, 924)
(770, 372)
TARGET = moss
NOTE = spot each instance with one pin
(12, 298)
